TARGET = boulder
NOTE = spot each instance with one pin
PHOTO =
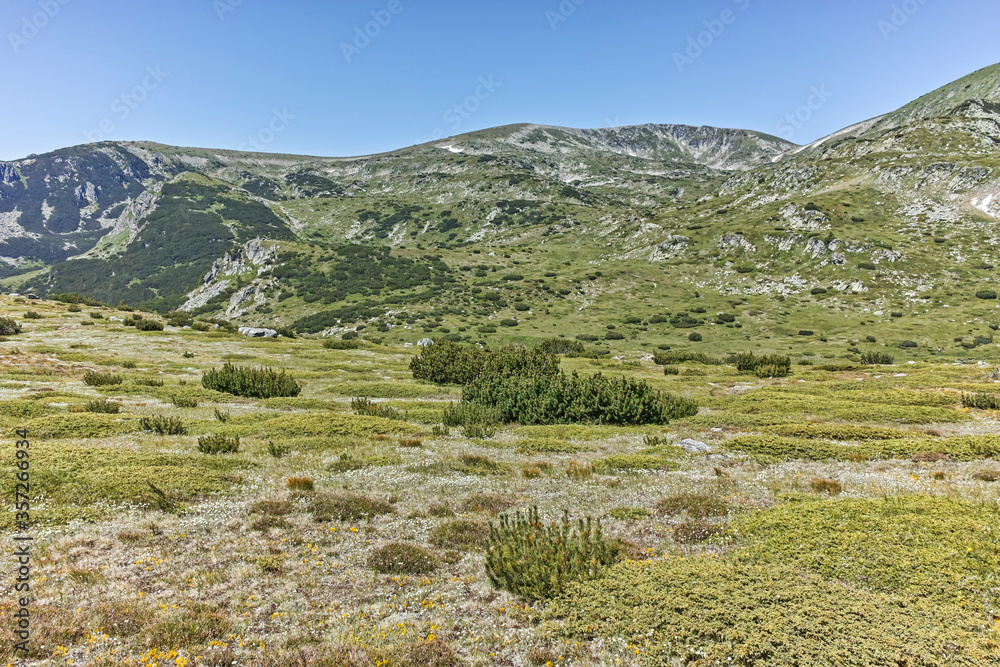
(255, 332)
(692, 446)
(425, 342)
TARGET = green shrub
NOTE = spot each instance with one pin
(184, 401)
(218, 443)
(146, 381)
(817, 290)
(163, 425)
(148, 325)
(561, 346)
(222, 415)
(250, 382)
(907, 344)
(694, 337)
(508, 323)
(102, 405)
(670, 358)
(94, 379)
(981, 401)
(32, 315)
(347, 507)
(867, 266)
(806, 332)
(876, 358)
(986, 294)
(277, 451)
(450, 363)
(402, 558)
(671, 370)
(537, 561)
(335, 344)
(765, 365)
(73, 308)
(567, 399)
(366, 406)
(613, 335)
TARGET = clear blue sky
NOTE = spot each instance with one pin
(212, 73)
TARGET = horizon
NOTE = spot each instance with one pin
(430, 72)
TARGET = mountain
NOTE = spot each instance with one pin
(897, 213)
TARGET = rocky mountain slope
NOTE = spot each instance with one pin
(897, 207)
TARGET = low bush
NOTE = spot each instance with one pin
(277, 451)
(613, 335)
(695, 337)
(102, 405)
(876, 358)
(337, 344)
(670, 358)
(9, 326)
(986, 294)
(250, 382)
(368, 407)
(348, 507)
(806, 332)
(163, 425)
(184, 401)
(536, 561)
(765, 365)
(402, 558)
(218, 443)
(32, 315)
(828, 486)
(671, 370)
(981, 401)
(146, 381)
(566, 399)
(300, 483)
(148, 325)
(94, 379)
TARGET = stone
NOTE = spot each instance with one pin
(425, 342)
(692, 446)
(255, 332)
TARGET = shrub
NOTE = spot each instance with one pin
(827, 486)
(148, 325)
(669, 358)
(806, 332)
(32, 315)
(695, 505)
(300, 483)
(450, 363)
(464, 534)
(632, 319)
(348, 507)
(613, 335)
(222, 415)
(567, 399)
(536, 561)
(694, 337)
(867, 266)
(876, 358)
(817, 290)
(671, 370)
(774, 365)
(163, 425)
(277, 451)
(986, 294)
(907, 344)
(745, 269)
(218, 443)
(561, 346)
(146, 382)
(981, 401)
(410, 442)
(335, 344)
(475, 464)
(366, 406)
(870, 339)
(73, 308)
(96, 315)
(9, 326)
(184, 401)
(486, 502)
(508, 323)
(590, 338)
(402, 558)
(94, 379)
(102, 405)
(250, 382)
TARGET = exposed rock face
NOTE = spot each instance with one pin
(425, 342)
(8, 174)
(254, 332)
(732, 241)
(242, 296)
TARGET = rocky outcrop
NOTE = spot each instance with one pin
(8, 174)
(255, 332)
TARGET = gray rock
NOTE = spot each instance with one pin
(255, 332)
(692, 446)
(425, 342)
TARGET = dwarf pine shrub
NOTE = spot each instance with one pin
(981, 401)
(536, 561)
(876, 358)
(450, 363)
(9, 326)
(250, 382)
(218, 443)
(94, 379)
(366, 406)
(184, 401)
(163, 425)
(671, 358)
(102, 405)
(765, 365)
(570, 399)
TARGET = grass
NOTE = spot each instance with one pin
(318, 499)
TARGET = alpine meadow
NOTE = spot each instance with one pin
(648, 395)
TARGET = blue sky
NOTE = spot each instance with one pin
(302, 76)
